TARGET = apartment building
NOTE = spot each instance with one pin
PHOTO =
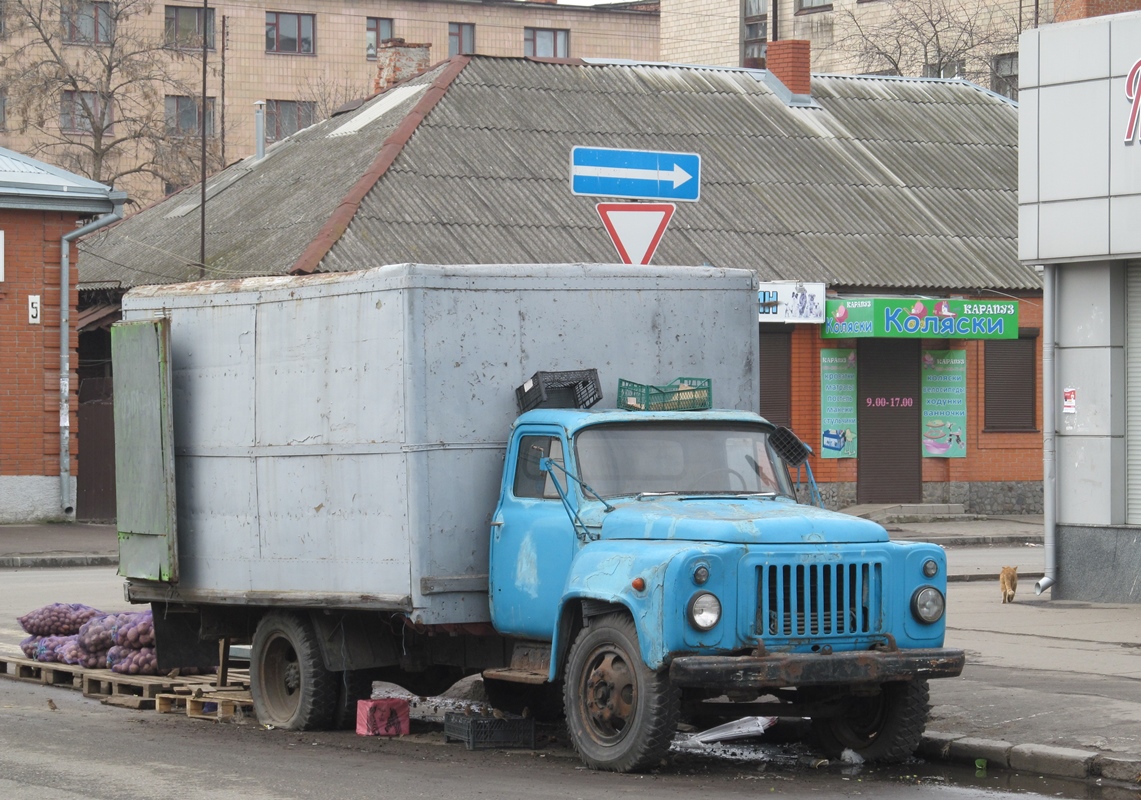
(972, 39)
(134, 123)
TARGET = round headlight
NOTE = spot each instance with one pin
(704, 611)
(927, 604)
(930, 568)
(701, 575)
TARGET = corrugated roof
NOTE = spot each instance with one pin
(30, 184)
(888, 183)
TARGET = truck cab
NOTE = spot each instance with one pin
(665, 561)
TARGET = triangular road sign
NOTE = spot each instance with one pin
(636, 228)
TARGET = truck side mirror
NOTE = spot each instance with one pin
(789, 447)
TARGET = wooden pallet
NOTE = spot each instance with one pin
(218, 706)
(49, 674)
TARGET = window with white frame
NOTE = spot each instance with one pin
(953, 68)
(546, 43)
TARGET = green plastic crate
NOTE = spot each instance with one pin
(683, 394)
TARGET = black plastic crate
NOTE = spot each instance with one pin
(572, 389)
(482, 733)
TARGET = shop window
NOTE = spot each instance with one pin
(546, 43)
(1011, 397)
(461, 38)
(775, 356)
(289, 33)
(377, 29)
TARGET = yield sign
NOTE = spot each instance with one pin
(636, 228)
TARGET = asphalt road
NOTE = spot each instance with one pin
(83, 749)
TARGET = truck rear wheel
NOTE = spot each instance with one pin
(621, 715)
(885, 727)
(288, 681)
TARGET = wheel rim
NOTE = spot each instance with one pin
(862, 721)
(281, 678)
(609, 693)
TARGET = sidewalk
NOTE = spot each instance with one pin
(1050, 687)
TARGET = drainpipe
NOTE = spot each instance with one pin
(117, 198)
(1049, 460)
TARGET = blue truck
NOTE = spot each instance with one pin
(335, 469)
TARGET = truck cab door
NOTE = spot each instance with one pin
(144, 451)
(532, 540)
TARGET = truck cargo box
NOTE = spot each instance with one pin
(338, 439)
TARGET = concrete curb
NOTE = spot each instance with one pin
(18, 562)
(1059, 762)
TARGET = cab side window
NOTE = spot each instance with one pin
(530, 481)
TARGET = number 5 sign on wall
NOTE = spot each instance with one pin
(33, 309)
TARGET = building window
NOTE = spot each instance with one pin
(182, 116)
(3, 112)
(546, 43)
(1004, 75)
(78, 110)
(813, 5)
(949, 69)
(775, 357)
(461, 38)
(289, 33)
(1011, 399)
(286, 117)
(377, 30)
(87, 22)
(184, 27)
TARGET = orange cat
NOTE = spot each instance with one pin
(1007, 583)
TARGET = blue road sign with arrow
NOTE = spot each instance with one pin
(635, 174)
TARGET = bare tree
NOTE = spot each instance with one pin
(90, 84)
(928, 38)
(332, 92)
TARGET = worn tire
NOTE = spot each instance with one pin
(884, 727)
(288, 681)
(620, 714)
(352, 685)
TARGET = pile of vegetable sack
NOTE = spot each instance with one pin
(77, 634)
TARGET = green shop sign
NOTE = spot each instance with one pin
(919, 318)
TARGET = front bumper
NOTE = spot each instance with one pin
(815, 669)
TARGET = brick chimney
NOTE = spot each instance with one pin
(790, 61)
(396, 60)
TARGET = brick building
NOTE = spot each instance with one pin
(41, 208)
(304, 58)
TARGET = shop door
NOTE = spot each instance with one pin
(890, 463)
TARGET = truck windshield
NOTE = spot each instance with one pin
(679, 457)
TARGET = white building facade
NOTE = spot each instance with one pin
(1080, 219)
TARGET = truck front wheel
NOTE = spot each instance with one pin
(885, 726)
(621, 715)
(288, 681)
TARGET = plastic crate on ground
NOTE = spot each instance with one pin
(481, 733)
(572, 389)
(683, 394)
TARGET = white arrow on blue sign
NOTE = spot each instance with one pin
(636, 174)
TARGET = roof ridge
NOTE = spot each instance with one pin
(342, 216)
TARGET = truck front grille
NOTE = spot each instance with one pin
(819, 599)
